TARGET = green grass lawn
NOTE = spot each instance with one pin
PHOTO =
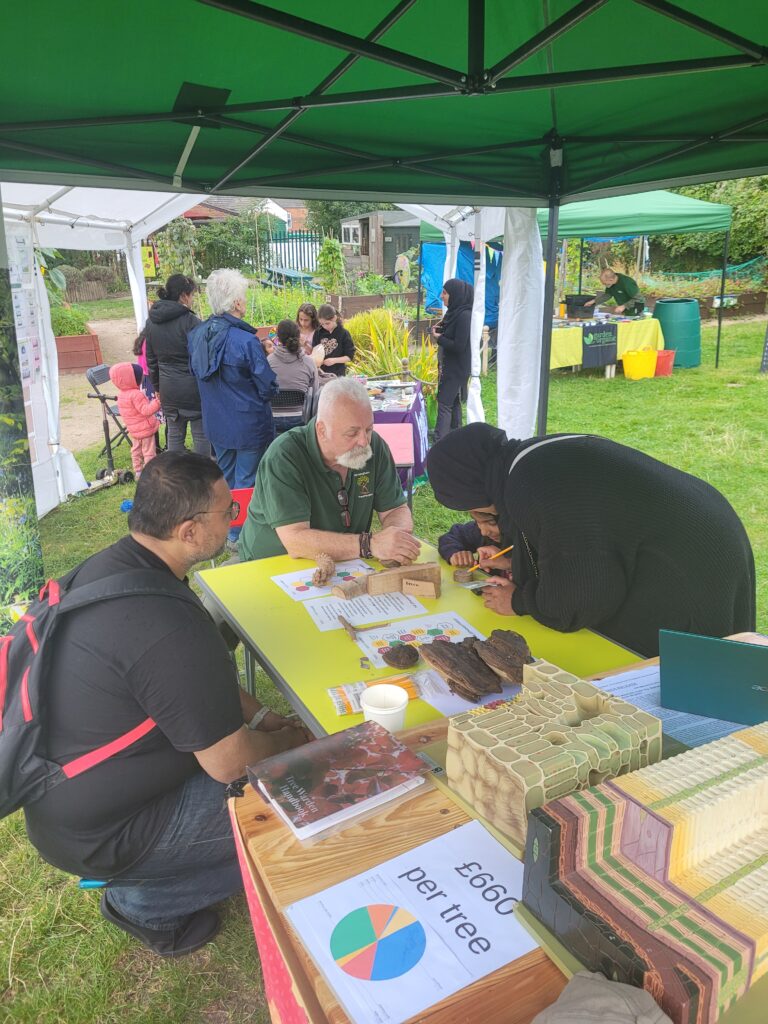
(61, 963)
(114, 307)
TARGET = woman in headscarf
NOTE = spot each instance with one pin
(604, 536)
(455, 354)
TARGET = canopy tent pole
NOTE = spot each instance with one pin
(581, 262)
(475, 411)
(418, 291)
(726, 244)
(549, 301)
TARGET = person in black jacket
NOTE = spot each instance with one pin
(605, 537)
(455, 354)
(335, 339)
(170, 320)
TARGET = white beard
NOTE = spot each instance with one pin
(355, 458)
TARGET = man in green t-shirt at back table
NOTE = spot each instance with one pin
(318, 486)
(623, 290)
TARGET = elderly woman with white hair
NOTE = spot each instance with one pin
(235, 380)
(318, 487)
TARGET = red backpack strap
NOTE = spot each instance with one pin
(94, 757)
(5, 643)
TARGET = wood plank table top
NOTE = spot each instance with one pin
(285, 870)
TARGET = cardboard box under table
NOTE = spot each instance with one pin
(304, 662)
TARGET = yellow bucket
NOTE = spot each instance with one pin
(640, 363)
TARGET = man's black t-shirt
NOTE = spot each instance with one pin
(116, 664)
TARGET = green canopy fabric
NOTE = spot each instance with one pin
(489, 102)
(649, 213)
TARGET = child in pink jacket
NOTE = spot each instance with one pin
(137, 413)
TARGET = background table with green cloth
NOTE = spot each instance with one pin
(568, 342)
(304, 662)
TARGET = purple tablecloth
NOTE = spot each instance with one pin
(416, 415)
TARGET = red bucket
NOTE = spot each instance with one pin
(665, 360)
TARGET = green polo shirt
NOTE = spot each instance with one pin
(293, 485)
(624, 291)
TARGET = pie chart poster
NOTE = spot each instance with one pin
(405, 935)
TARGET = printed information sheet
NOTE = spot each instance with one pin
(362, 611)
(299, 585)
(642, 688)
(399, 938)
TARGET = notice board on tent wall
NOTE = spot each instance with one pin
(54, 471)
(21, 266)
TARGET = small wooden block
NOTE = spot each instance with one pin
(420, 588)
(350, 589)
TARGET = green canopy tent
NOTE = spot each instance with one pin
(484, 101)
(647, 213)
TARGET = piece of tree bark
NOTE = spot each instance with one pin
(326, 567)
(505, 652)
(461, 667)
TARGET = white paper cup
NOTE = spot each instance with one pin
(385, 703)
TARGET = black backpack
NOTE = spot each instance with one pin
(25, 773)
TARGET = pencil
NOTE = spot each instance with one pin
(497, 555)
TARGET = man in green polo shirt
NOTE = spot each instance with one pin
(623, 290)
(318, 486)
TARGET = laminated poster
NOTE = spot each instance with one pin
(405, 935)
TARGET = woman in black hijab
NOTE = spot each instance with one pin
(604, 536)
(455, 354)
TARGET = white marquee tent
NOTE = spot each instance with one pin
(521, 304)
(59, 217)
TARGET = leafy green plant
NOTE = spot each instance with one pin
(241, 242)
(176, 245)
(330, 265)
(21, 564)
(72, 276)
(266, 305)
(375, 284)
(103, 274)
(381, 344)
(68, 320)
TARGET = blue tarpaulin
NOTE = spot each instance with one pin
(433, 268)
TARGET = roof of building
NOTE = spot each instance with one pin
(205, 212)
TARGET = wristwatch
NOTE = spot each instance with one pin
(259, 717)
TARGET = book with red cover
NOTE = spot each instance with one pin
(330, 780)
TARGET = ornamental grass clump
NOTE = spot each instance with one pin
(381, 344)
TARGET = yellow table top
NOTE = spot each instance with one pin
(631, 334)
(304, 662)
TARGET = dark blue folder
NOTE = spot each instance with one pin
(703, 675)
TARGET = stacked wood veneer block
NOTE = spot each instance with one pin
(660, 878)
(560, 734)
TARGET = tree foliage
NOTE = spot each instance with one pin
(176, 245)
(240, 242)
(326, 215)
(330, 265)
(749, 231)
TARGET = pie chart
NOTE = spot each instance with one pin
(378, 942)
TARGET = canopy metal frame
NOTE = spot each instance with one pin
(440, 82)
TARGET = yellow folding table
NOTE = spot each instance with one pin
(304, 662)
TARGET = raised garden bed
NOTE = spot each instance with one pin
(77, 352)
(747, 304)
(349, 305)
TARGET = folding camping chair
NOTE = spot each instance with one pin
(292, 406)
(97, 375)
